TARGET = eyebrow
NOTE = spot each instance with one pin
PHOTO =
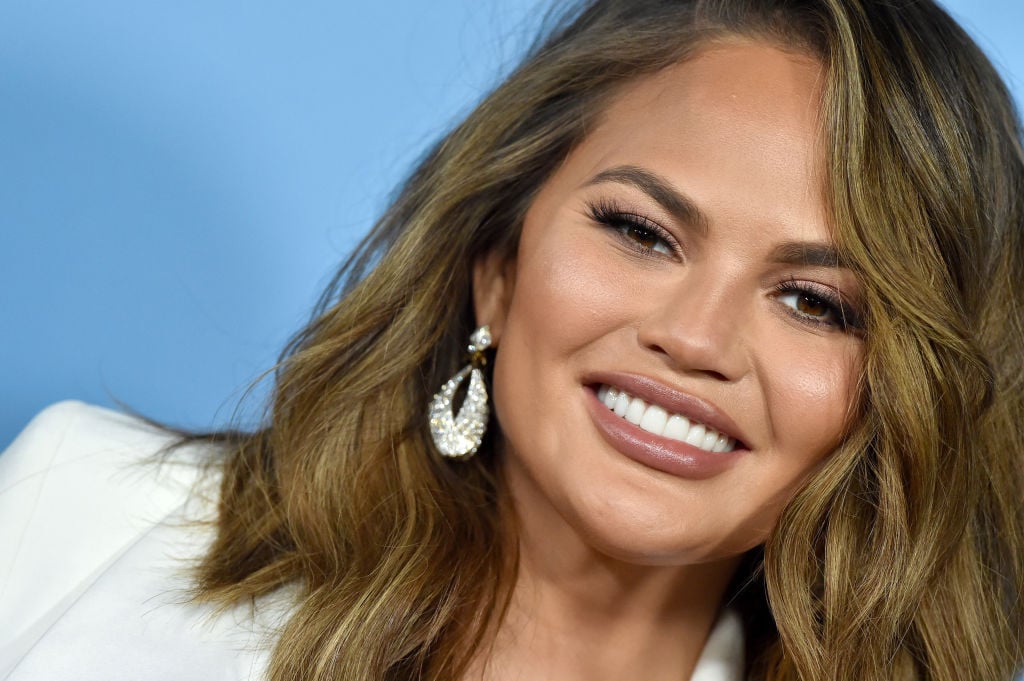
(658, 188)
(809, 253)
(683, 208)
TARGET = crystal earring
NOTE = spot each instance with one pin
(459, 437)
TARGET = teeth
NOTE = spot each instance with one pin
(722, 444)
(655, 419)
(677, 427)
(636, 410)
(621, 404)
(696, 435)
(611, 395)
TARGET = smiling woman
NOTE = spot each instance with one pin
(649, 265)
(746, 280)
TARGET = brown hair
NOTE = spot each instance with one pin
(902, 557)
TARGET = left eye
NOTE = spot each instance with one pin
(813, 307)
(808, 304)
(819, 305)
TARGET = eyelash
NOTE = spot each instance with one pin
(841, 316)
(623, 221)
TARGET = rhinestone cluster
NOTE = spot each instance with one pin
(480, 340)
(460, 436)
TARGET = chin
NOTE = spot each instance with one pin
(641, 534)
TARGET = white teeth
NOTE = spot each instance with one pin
(636, 410)
(677, 427)
(655, 419)
(611, 397)
(621, 404)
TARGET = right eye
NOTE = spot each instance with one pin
(638, 232)
(646, 238)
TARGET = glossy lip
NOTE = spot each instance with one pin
(657, 452)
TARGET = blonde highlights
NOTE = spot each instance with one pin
(900, 559)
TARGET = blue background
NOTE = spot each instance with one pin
(179, 180)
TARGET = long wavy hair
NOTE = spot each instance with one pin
(901, 558)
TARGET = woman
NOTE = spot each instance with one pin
(745, 278)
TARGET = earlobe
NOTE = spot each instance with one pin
(493, 283)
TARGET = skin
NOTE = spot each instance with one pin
(613, 550)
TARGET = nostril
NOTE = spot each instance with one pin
(704, 368)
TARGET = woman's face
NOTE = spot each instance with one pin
(679, 260)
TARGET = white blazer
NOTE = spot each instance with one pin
(95, 543)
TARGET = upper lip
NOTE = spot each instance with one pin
(672, 400)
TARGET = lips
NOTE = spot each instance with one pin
(710, 444)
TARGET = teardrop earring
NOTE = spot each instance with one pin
(458, 437)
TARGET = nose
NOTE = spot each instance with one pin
(699, 325)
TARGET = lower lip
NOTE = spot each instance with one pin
(657, 452)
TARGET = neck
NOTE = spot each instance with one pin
(577, 613)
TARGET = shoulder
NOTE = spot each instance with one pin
(79, 467)
(78, 488)
(68, 431)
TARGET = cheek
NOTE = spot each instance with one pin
(565, 296)
(565, 308)
(810, 406)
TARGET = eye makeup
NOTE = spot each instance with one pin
(818, 305)
(811, 303)
(636, 231)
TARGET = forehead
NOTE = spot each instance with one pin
(735, 127)
(739, 83)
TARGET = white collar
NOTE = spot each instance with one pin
(722, 657)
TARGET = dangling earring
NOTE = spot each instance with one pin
(459, 437)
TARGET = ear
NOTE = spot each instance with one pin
(493, 282)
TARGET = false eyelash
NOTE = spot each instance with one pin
(847, 318)
(613, 216)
